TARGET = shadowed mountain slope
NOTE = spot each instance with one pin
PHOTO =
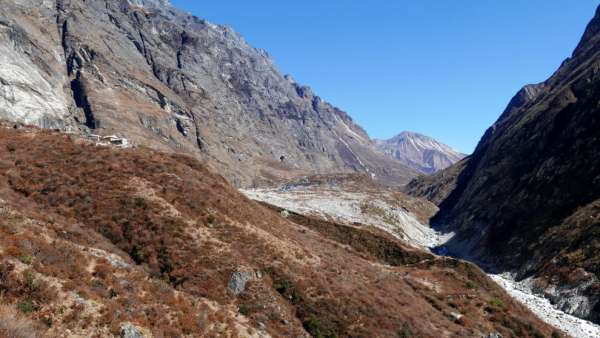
(527, 199)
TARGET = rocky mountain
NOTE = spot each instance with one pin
(420, 152)
(528, 199)
(98, 241)
(163, 78)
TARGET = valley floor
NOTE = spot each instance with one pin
(384, 211)
(390, 213)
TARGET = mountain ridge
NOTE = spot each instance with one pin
(161, 77)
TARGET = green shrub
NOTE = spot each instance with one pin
(26, 259)
(313, 326)
(244, 310)
(139, 202)
(471, 285)
(26, 307)
(496, 302)
(287, 289)
(405, 332)
(211, 219)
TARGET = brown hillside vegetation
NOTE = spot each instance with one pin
(93, 239)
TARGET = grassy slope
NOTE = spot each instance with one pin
(94, 237)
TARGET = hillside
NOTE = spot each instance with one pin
(419, 152)
(527, 200)
(100, 240)
(160, 77)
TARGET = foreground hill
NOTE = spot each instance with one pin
(160, 77)
(419, 152)
(528, 199)
(99, 241)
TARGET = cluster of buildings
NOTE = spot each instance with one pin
(110, 140)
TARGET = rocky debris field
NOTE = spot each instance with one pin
(382, 210)
(542, 307)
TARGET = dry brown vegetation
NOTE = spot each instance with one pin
(91, 238)
(372, 243)
(15, 325)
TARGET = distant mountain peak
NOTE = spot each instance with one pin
(420, 152)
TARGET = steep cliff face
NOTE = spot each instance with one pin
(527, 199)
(163, 78)
(419, 152)
(32, 77)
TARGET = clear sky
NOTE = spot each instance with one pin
(439, 67)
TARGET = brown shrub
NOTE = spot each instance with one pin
(103, 269)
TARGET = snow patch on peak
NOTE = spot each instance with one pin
(151, 3)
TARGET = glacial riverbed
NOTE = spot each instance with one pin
(542, 307)
(345, 207)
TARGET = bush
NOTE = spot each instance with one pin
(244, 310)
(471, 285)
(139, 202)
(26, 307)
(496, 303)
(13, 325)
(405, 332)
(313, 326)
(36, 291)
(103, 270)
(26, 259)
(211, 219)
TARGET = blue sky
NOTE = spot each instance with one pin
(443, 68)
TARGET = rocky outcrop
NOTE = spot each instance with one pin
(239, 279)
(130, 331)
(527, 200)
(161, 77)
(32, 76)
(419, 152)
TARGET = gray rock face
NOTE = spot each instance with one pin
(130, 331)
(158, 76)
(420, 152)
(493, 335)
(572, 298)
(32, 66)
(238, 280)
